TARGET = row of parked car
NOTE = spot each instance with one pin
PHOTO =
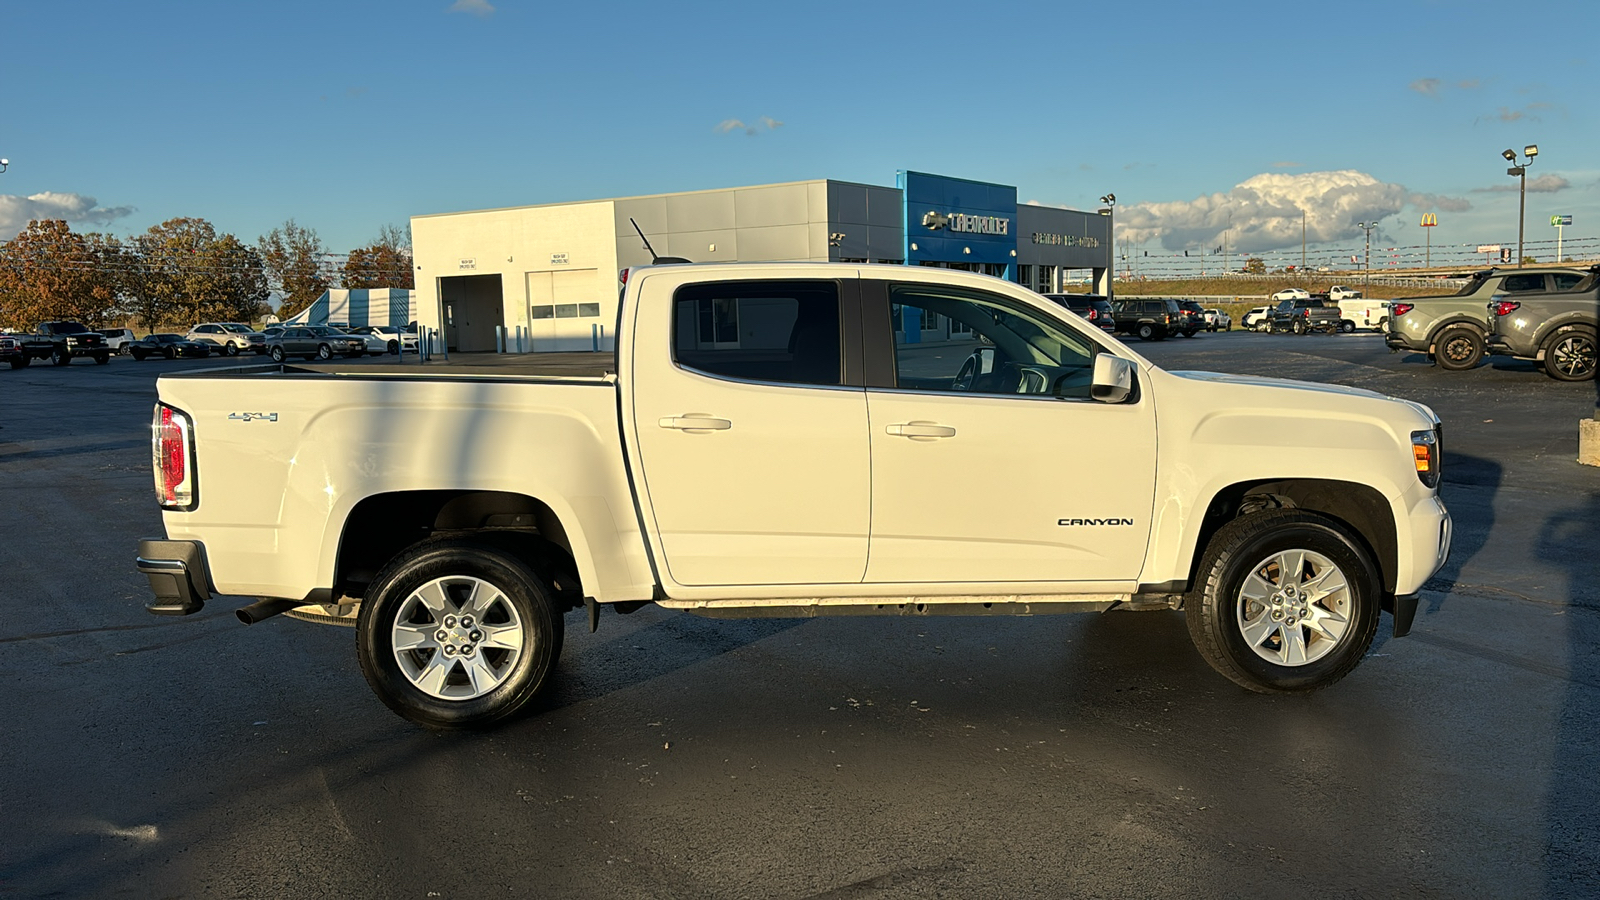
(61, 342)
(1152, 319)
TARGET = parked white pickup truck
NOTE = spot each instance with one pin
(792, 440)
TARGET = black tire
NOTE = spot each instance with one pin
(1213, 609)
(20, 362)
(324, 351)
(1270, 329)
(1570, 355)
(59, 357)
(1147, 332)
(230, 350)
(525, 597)
(101, 359)
(1299, 326)
(169, 353)
(138, 355)
(1458, 348)
(394, 347)
(1347, 326)
(276, 352)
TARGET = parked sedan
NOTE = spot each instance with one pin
(171, 346)
(387, 338)
(1292, 294)
(313, 342)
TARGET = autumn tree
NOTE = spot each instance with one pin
(1255, 265)
(186, 273)
(49, 272)
(293, 256)
(385, 263)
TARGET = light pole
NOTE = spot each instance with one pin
(1366, 276)
(1110, 200)
(1521, 171)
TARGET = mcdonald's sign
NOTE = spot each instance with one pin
(1429, 220)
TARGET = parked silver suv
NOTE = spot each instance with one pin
(1557, 329)
(228, 338)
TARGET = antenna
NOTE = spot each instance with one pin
(654, 259)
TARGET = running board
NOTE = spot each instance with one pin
(790, 608)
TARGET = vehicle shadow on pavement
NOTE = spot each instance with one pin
(1476, 481)
(1572, 807)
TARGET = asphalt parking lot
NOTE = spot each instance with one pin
(1085, 756)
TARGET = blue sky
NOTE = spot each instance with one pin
(350, 115)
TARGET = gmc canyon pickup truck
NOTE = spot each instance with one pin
(791, 440)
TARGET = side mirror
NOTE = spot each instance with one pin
(1113, 378)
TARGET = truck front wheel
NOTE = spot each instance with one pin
(454, 634)
(1286, 602)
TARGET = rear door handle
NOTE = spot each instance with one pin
(696, 422)
(921, 429)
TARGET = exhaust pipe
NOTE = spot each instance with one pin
(264, 609)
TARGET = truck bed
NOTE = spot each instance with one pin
(585, 365)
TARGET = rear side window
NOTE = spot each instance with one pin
(785, 332)
(1523, 281)
(1566, 281)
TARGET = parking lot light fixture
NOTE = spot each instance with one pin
(1110, 200)
(1521, 173)
(4, 163)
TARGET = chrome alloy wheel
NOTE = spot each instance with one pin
(457, 637)
(1294, 607)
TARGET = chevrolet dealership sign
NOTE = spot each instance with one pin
(935, 220)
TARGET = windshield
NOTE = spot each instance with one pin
(68, 328)
(236, 328)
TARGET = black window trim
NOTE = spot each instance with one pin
(850, 344)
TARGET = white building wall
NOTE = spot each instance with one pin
(559, 255)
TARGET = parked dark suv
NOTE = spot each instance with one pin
(1555, 329)
(1094, 307)
(1194, 317)
(1151, 320)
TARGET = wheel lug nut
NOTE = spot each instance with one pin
(441, 635)
(466, 650)
(466, 621)
(1277, 615)
(449, 621)
(476, 636)
(449, 649)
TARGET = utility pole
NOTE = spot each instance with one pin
(1366, 276)
(1302, 240)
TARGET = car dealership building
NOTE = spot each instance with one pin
(546, 277)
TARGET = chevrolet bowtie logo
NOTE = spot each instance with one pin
(934, 221)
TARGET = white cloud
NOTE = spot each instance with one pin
(730, 125)
(16, 212)
(1426, 86)
(1264, 212)
(479, 8)
(1543, 184)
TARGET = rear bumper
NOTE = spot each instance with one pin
(178, 574)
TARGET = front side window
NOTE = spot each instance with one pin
(1002, 347)
(778, 331)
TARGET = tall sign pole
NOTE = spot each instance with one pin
(1429, 220)
(1560, 222)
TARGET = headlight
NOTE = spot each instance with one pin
(1425, 452)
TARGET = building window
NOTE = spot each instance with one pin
(588, 310)
(1047, 279)
(566, 310)
(1025, 276)
(544, 312)
(890, 262)
(777, 331)
(930, 321)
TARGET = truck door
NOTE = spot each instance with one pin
(990, 463)
(752, 442)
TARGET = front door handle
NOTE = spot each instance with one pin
(921, 430)
(696, 422)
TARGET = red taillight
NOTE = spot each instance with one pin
(1401, 309)
(1093, 313)
(169, 446)
(1306, 313)
(1505, 307)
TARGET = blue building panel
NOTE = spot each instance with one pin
(954, 220)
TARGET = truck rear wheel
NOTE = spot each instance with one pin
(59, 357)
(1286, 602)
(1459, 348)
(455, 634)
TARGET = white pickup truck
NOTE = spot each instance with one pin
(792, 440)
